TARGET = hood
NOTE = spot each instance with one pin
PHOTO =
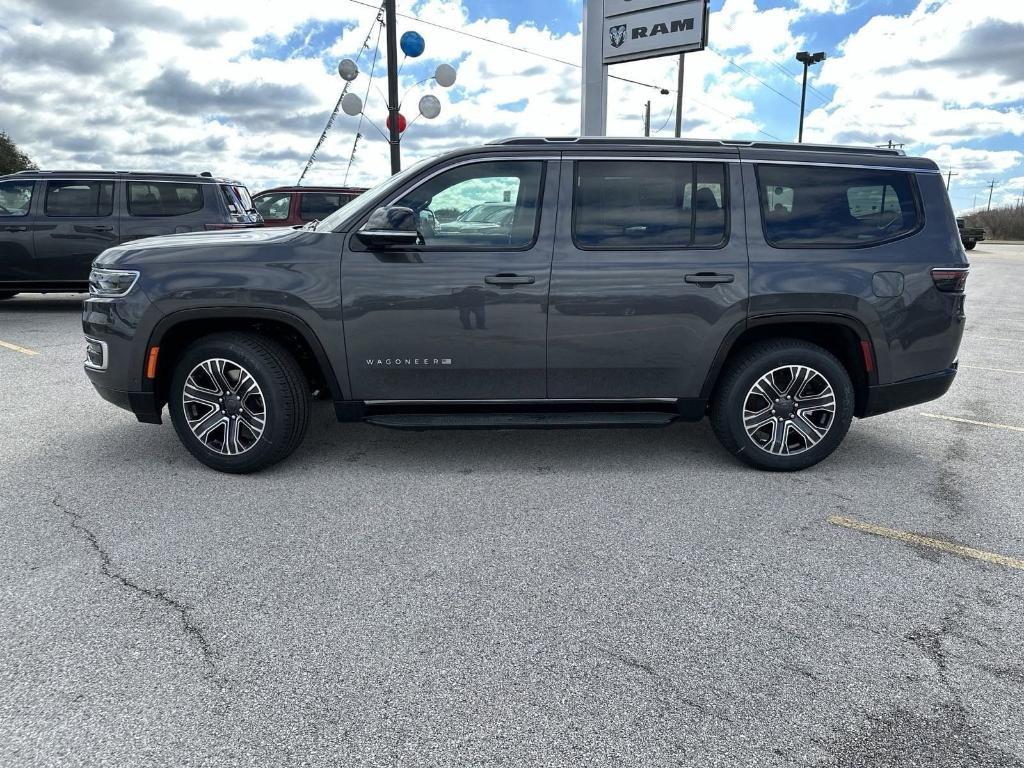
(193, 246)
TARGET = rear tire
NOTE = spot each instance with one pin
(782, 405)
(970, 246)
(239, 402)
(4, 295)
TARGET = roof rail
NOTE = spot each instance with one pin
(663, 142)
(96, 173)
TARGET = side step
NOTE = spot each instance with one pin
(522, 420)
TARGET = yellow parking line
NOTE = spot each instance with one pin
(16, 348)
(927, 541)
(972, 421)
(985, 368)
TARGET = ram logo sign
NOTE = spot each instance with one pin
(643, 29)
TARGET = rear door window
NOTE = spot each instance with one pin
(16, 197)
(150, 198)
(320, 205)
(832, 206)
(79, 199)
(622, 205)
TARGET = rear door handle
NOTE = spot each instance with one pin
(100, 228)
(508, 280)
(15, 229)
(707, 279)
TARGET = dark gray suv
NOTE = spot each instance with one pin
(780, 289)
(53, 224)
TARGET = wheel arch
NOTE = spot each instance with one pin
(844, 336)
(177, 330)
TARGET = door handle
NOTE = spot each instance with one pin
(708, 279)
(100, 228)
(15, 229)
(508, 280)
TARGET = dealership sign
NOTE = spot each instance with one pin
(644, 29)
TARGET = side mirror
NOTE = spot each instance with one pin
(391, 225)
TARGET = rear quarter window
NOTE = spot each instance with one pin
(836, 207)
(152, 198)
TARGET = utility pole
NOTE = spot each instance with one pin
(391, 23)
(975, 204)
(647, 118)
(949, 177)
(807, 59)
(679, 96)
(991, 186)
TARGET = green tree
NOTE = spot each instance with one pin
(13, 159)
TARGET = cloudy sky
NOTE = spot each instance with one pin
(244, 89)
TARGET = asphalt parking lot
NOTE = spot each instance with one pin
(533, 598)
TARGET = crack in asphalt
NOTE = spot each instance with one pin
(192, 630)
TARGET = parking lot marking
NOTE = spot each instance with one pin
(972, 421)
(927, 541)
(986, 368)
(16, 348)
(993, 338)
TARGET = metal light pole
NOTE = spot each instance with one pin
(391, 24)
(647, 118)
(807, 59)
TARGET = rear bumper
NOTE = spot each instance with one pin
(143, 404)
(883, 398)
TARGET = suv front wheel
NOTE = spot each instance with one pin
(783, 405)
(239, 402)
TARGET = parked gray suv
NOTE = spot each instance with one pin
(780, 289)
(53, 224)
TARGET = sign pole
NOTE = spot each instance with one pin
(594, 117)
(390, 22)
(679, 96)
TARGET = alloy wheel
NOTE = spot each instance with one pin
(224, 406)
(789, 410)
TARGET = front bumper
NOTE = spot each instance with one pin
(883, 398)
(144, 405)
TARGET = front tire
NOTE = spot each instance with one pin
(783, 405)
(239, 402)
(970, 246)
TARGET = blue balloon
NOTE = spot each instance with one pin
(412, 44)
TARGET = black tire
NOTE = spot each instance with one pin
(284, 395)
(4, 295)
(970, 246)
(737, 381)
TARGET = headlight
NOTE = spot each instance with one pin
(111, 283)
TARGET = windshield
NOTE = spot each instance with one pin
(344, 216)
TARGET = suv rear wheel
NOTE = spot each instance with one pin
(239, 402)
(783, 405)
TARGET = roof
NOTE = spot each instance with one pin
(147, 175)
(663, 143)
(343, 190)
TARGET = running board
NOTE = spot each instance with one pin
(581, 419)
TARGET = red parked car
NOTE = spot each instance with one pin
(293, 206)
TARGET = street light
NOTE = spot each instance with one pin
(807, 59)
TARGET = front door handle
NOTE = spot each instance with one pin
(100, 228)
(15, 229)
(708, 279)
(508, 280)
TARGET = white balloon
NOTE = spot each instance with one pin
(351, 104)
(445, 75)
(430, 106)
(348, 70)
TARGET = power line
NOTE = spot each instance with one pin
(559, 61)
(755, 77)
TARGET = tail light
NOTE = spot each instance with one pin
(950, 279)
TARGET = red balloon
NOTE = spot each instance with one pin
(401, 122)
